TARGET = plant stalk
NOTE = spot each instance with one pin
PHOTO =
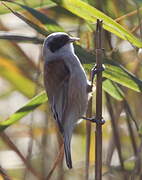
(88, 139)
(98, 138)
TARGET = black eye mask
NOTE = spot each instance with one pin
(58, 42)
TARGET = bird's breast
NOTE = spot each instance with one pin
(54, 73)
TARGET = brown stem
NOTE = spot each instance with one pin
(139, 17)
(88, 138)
(98, 139)
(4, 174)
(30, 149)
(88, 123)
(58, 159)
(112, 146)
(7, 140)
(132, 13)
(115, 130)
(131, 131)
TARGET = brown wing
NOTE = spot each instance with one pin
(56, 79)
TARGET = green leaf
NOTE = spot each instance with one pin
(111, 88)
(140, 130)
(26, 109)
(119, 74)
(14, 53)
(49, 23)
(84, 56)
(32, 3)
(21, 38)
(90, 14)
(113, 70)
(39, 29)
(12, 73)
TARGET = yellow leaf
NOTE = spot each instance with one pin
(14, 75)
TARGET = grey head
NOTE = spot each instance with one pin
(58, 43)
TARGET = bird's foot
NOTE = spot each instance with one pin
(95, 120)
(89, 88)
(96, 70)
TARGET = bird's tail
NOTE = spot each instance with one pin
(67, 142)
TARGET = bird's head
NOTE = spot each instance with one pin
(58, 44)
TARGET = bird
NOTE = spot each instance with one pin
(66, 85)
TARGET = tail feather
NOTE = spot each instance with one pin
(67, 148)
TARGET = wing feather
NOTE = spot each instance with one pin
(77, 102)
(56, 80)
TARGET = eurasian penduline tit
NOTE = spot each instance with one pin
(66, 85)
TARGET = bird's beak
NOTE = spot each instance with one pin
(72, 39)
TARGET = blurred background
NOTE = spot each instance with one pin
(30, 143)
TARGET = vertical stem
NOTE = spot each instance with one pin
(88, 124)
(56, 162)
(131, 132)
(98, 141)
(114, 117)
(115, 130)
(88, 142)
(88, 138)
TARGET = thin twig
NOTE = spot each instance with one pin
(58, 158)
(137, 168)
(139, 17)
(135, 28)
(98, 141)
(30, 149)
(127, 15)
(88, 142)
(131, 131)
(7, 140)
(43, 146)
(137, 150)
(88, 138)
(115, 130)
(31, 140)
(112, 146)
(3, 173)
(127, 107)
(88, 124)
(60, 173)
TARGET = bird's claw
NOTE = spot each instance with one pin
(95, 70)
(89, 88)
(95, 120)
